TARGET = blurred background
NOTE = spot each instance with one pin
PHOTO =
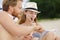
(49, 17)
(49, 8)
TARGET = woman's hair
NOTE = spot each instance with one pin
(23, 18)
(7, 3)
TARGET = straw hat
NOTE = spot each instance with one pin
(32, 6)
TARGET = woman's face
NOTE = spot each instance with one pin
(31, 15)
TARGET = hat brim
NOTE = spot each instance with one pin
(33, 10)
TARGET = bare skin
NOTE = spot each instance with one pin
(4, 35)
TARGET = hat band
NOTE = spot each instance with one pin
(31, 8)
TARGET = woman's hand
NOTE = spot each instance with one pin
(27, 37)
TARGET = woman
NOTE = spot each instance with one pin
(29, 18)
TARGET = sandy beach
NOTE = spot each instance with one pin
(51, 25)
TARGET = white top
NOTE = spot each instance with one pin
(15, 20)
